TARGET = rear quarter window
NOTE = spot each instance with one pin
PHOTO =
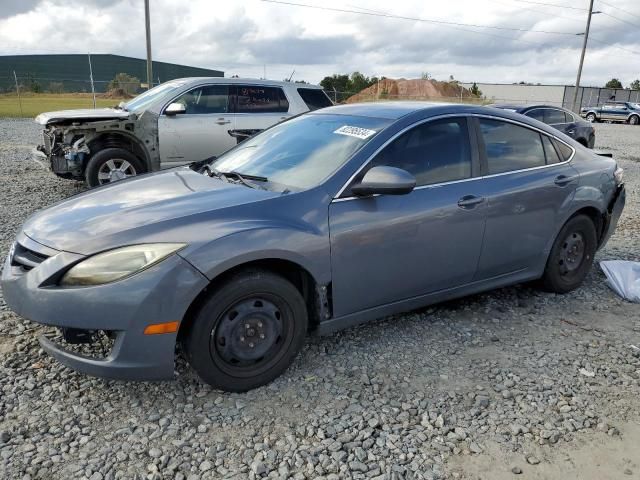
(564, 151)
(314, 98)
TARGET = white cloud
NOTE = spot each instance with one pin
(245, 37)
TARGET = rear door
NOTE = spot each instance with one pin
(258, 107)
(388, 248)
(202, 131)
(528, 182)
(560, 120)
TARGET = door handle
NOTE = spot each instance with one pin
(222, 121)
(571, 132)
(563, 180)
(470, 201)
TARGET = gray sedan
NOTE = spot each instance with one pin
(325, 221)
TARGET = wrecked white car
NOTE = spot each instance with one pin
(178, 122)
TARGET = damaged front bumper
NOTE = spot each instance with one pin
(64, 159)
(121, 310)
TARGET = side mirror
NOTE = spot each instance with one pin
(175, 109)
(385, 180)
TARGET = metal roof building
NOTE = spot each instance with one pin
(72, 71)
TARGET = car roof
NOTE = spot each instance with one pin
(522, 108)
(251, 81)
(393, 110)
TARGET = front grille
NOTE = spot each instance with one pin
(26, 259)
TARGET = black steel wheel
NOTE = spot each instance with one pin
(571, 256)
(247, 332)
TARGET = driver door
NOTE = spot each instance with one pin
(202, 131)
(388, 248)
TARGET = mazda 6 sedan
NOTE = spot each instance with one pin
(325, 221)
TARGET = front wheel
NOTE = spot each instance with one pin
(591, 117)
(110, 165)
(247, 332)
(571, 256)
(634, 120)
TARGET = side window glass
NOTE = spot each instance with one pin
(550, 151)
(569, 117)
(553, 116)
(258, 99)
(537, 113)
(510, 147)
(206, 99)
(433, 152)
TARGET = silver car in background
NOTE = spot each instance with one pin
(178, 122)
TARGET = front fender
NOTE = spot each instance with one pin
(305, 247)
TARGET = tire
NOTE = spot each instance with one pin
(591, 117)
(247, 332)
(634, 120)
(571, 256)
(110, 165)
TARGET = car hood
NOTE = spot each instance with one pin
(147, 208)
(82, 114)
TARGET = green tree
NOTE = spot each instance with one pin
(340, 83)
(613, 83)
(475, 90)
(125, 82)
(635, 85)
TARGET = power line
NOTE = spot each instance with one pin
(552, 5)
(415, 19)
(618, 8)
(620, 20)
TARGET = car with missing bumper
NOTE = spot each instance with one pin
(319, 223)
(564, 120)
(624, 112)
(175, 123)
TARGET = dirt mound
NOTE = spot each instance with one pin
(117, 93)
(416, 89)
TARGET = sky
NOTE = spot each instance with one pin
(251, 37)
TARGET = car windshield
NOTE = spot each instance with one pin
(302, 152)
(635, 105)
(144, 100)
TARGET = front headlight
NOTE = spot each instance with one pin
(117, 264)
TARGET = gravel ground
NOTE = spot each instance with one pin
(506, 383)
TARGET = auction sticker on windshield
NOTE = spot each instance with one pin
(361, 133)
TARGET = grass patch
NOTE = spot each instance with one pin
(34, 104)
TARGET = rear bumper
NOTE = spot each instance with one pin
(160, 294)
(613, 214)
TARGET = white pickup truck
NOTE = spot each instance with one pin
(178, 122)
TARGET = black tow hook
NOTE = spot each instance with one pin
(77, 336)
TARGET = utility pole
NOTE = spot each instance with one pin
(584, 49)
(93, 89)
(18, 92)
(147, 22)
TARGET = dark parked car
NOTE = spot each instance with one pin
(564, 120)
(627, 112)
(322, 222)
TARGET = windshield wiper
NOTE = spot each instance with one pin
(242, 178)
